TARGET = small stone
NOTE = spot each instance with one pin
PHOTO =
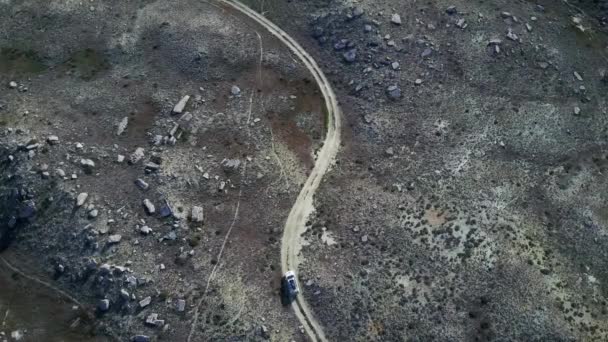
(426, 53)
(81, 198)
(140, 338)
(578, 76)
(137, 155)
(418, 81)
(512, 35)
(235, 91)
(153, 320)
(393, 92)
(122, 125)
(60, 173)
(145, 302)
(52, 139)
(12, 84)
(103, 305)
(142, 184)
(451, 10)
(124, 294)
(230, 165)
(179, 107)
(93, 213)
(577, 110)
(165, 209)
(389, 151)
(367, 28)
(395, 65)
(529, 27)
(461, 23)
(181, 305)
(145, 230)
(197, 214)
(150, 209)
(364, 238)
(112, 239)
(350, 56)
(152, 167)
(396, 19)
(17, 335)
(87, 164)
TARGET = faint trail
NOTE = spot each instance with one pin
(43, 283)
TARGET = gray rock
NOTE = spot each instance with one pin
(12, 84)
(27, 210)
(113, 239)
(181, 305)
(395, 65)
(364, 238)
(149, 206)
(140, 338)
(81, 198)
(103, 305)
(60, 173)
(264, 332)
(137, 155)
(153, 320)
(393, 92)
(165, 209)
(145, 302)
(152, 167)
(179, 107)
(451, 10)
(577, 110)
(87, 165)
(122, 125)
(124, 294)
(389, 151)
(145, 230)
(350, 56)
(197, 214)
(230, 165)
(52, 139)
(396, 19)
(367, 28)
(236, 91)
(426, 53)
(141, 184)
(93, 213)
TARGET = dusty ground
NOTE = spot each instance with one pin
(470, 207)
(81, 69)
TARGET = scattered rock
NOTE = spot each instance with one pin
(12, 84)
(165, 209)
(113, 239)
(350, 56)
(153, 320)
(145, 230)
(396, 19)
(230, 165)
(81, 198)
(103, 305)
(235, 91)
(512, 35)
(140, 338)
(142, 184)
(451, 10)
(150, 209)
(17, 335)
(426, 53)
(122, 125)
(52, 139)
(197, 214)
(578, 76)
(181, 305)
(145, 302)
(137, 155)
(418, 81)
(389, 151)
(87, 165)
(393, 92)
(93, 213)
(577, 110)
(179, 107)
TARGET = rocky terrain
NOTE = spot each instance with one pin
(148, 166)
(150, 153)
(469, 200)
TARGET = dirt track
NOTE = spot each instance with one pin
(303, 207)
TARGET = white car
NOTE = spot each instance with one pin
(291, 284)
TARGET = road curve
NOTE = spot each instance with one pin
(295, 225)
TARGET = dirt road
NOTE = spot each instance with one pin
(303, 207)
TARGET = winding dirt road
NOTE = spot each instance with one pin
(295, 225)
